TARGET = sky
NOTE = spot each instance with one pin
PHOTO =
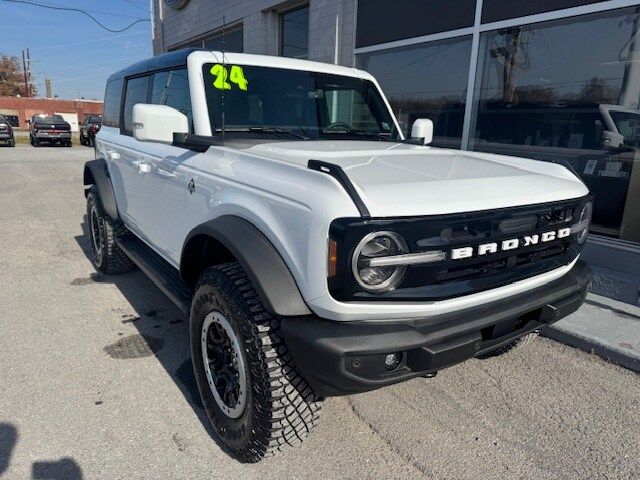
(71, 49)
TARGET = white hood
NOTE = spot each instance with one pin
(404, 180)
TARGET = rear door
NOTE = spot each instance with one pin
(126, 155)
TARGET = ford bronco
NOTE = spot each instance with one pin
(314, 249)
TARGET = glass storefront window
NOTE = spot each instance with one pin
(427, 80)
(294, 33)
(232, 41)
(569, 90)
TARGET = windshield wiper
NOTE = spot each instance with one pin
(267, 129)
(355, 131)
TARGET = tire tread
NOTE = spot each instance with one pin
(288, 408)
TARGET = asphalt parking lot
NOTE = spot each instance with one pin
(96, 381)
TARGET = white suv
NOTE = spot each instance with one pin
(315, 250)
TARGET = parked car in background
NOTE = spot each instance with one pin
(89, 128)
(6, 133)
(49, 128)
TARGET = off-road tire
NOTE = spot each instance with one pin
(108, 258)
(280, 409)
(521, 342)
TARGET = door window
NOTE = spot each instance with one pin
(136, 93)
(171, 88)
(112, 98)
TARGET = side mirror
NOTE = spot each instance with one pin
(157, 123)
(422, 129)
(612, 140)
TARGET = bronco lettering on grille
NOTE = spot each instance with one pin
(509, 244)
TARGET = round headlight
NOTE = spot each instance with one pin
(583, 222)
(374, 278)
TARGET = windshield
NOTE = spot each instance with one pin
(94, 119)
(2, 119)
(628, 124)
(48, 119)
(301, 104)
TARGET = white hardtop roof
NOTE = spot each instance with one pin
(278, 62)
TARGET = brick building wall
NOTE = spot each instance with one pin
(25, 108)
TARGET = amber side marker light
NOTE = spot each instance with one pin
(332, 260)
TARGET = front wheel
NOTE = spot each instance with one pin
(254, 397)
(12, 142)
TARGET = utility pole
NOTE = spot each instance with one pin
(26, 81)
(26, 68)
(47, 86)
(29, 71)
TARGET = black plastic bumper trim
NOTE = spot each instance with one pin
(340, 358)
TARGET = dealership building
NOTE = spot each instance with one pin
(545, 79)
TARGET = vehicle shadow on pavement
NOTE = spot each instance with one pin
(163, 329)
(8, 440)
(63, 469)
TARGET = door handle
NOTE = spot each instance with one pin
(113, 155)
(143, 167)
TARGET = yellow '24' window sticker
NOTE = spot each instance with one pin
(225, 77)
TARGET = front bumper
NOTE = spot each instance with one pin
(4, 136)
(340, 358)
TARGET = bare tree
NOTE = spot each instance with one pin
(12, 78)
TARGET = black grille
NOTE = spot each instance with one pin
(450, 278)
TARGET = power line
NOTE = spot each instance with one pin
(84, 12)
(102, 39)
(92, 52)
(136, 5)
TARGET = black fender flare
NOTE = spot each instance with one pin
(268, 272)
(96, 173)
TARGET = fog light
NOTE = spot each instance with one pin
(392, 360)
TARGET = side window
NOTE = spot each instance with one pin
(112, 103)
(136, 93)
(171, 88)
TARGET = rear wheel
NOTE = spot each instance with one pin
(521, 342)
(254, 397)
(103, 234)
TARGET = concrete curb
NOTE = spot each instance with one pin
(618, 357)
(604, 327)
